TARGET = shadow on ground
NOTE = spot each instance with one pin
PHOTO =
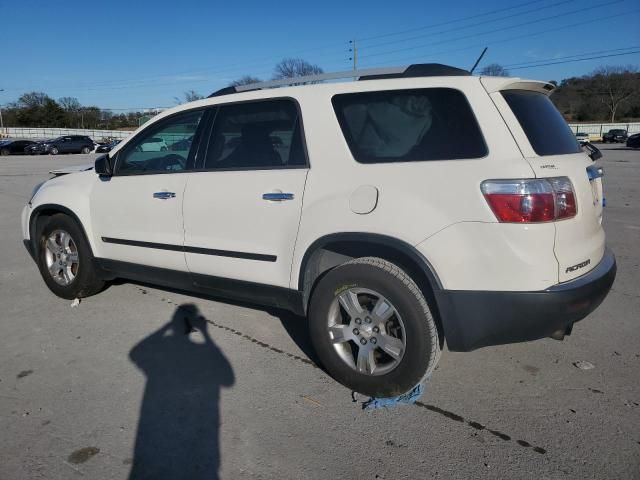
(178, 430)
(295, 325)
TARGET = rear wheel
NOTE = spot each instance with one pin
(4, 151)
(372, 328)
(65, 260)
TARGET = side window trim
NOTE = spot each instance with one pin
(190, 166)
(299, 121)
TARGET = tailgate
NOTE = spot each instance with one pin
(551, 149)
(580, 240)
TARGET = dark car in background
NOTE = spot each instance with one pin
(14, 147)
(64, 144)
(634, 141)
(616, 135)
(107, 147)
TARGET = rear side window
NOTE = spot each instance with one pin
(409, 125)
(547, 131)
(256, 135)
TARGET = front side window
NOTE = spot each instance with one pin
(547, 131)
(163, 147)
(256, 135)
(409, 125)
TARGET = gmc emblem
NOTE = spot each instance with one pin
(577, 266)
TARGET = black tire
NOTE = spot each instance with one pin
(86, 281)
(422, 350)
(85, 150)
(54, 151)
(4, 151)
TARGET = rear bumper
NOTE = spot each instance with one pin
(474, 319)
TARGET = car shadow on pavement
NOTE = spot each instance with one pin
(178, 429)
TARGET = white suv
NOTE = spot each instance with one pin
(421, 206)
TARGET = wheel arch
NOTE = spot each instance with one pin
(44, 211)
(332, 250)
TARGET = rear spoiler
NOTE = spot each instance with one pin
(497, 84)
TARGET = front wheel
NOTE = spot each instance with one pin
(372, 328)
(54, 151)
(65, 260)
(4, 152)
(85, 150)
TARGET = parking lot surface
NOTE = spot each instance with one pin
(97, 390)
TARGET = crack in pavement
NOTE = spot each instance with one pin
(432, 408)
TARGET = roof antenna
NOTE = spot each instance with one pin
(478, 61)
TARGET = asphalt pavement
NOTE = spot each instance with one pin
(96, 391)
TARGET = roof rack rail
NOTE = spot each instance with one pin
(416, 70)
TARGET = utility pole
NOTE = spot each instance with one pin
(1, 122)
(354, 54)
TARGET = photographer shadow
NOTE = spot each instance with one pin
(178, 430)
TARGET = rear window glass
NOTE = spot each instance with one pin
(409, 125)
(547, 131)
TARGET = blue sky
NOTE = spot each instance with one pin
(139, 54)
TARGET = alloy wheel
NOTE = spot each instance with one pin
(366, 331)
(62, 259)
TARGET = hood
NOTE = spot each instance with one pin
(72, 169)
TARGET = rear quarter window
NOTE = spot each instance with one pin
(546, 130)
(409, 125)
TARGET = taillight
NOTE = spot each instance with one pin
(530, 200)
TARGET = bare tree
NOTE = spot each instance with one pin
(188, 96)
(244, 80)
(494, 70)
(615, 85)
(33, 100)
(70, 104)
(295, 67)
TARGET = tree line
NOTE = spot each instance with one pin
(608, 94)
(37, 109)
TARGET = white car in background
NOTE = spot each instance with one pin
(421, 207)
(154, 144)
(582, 137)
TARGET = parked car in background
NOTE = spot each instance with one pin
(582, 137)
(634, 141)
(104, 148)
(616, 135)
(65, 144)
(14, 147)
(155, 144)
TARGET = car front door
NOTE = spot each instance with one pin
(242, 207)
(65, 145)
(137, 213)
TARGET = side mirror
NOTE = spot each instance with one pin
(103, 166)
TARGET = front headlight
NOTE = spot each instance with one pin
(35, 190)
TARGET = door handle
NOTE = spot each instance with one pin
(277, 196)
(164, 195)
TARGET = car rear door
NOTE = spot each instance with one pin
(242, 207)
(549, 146)
(137, 213)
